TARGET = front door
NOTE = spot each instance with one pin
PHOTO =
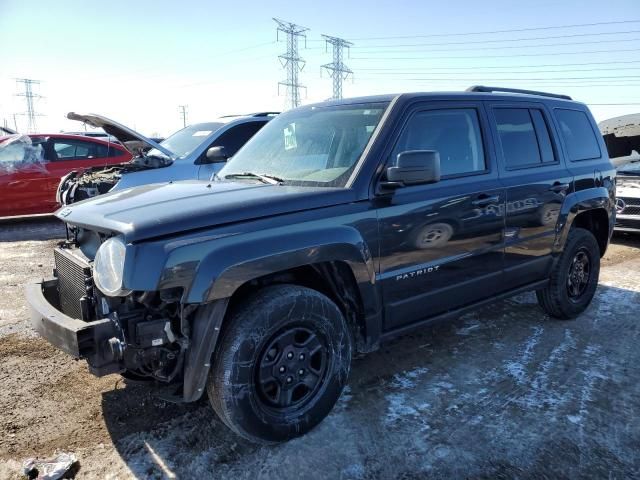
(441, 245)
(232, 140)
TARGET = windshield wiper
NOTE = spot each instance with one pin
(265, 178)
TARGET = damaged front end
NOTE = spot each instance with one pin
(80, 185)
(142, 335)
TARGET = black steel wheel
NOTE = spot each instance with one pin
(291, 368)
(574, 277)
(579, 273)
(281, 363)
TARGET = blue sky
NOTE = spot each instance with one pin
(137, 61)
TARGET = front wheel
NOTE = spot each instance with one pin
(281, 364)
(574, 278)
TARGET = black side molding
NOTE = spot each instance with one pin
(482, 88)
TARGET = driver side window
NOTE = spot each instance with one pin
(454, 133)
(234, 138)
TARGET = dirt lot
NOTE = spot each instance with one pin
(502, 393)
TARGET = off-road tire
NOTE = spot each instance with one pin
(555, 298)
(233, 388)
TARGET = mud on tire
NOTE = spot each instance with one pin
(574, 278)
(281, 364)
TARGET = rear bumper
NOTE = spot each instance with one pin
(88, 340)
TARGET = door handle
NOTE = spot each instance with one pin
(559, 187)
(484, 200)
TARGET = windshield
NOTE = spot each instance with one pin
(185, 141)
(316, 146)
(630, 169)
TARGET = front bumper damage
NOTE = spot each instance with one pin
(95, 341)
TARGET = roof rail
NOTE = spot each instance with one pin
(482, 88)
(263, 114)
(258, 114)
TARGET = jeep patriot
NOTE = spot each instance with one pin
(336, 227)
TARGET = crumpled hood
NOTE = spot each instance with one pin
(170, 208)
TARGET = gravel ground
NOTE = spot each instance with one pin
(504, 392)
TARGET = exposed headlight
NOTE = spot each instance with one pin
(108, 267)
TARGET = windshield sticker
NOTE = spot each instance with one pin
(201, 133)
(290, 137)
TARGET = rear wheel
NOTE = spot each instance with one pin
(574, 278)
(281, 364)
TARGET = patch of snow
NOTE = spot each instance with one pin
(407, 380)
(517, 368)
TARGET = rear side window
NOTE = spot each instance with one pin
(453, 133)
(578, 135)
(524, 137)
(114, 152)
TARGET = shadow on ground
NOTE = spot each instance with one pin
(500, 393)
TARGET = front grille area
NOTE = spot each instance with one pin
(627, 223)
(632, 206)
(73, 274)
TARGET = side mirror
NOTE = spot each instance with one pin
(215, 155)
(414, 167)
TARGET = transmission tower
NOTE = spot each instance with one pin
(183, 113)
(291, 61)
(338, 71)
(30, 97)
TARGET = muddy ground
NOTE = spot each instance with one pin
(505, 392)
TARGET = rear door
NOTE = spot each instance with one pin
(232, 140)
(537, 182)
(441, 245)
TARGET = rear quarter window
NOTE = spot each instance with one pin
(577, 133)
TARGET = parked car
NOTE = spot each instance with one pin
(100, 135)
(622, 136)
(259, 286)
(31, 167)
(195, 152)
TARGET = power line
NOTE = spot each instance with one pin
(429, 69)
(338, 71)
(474, 42)
(479, 70)
(500, 56)
(487, 32)
(183, 113)
(30, 98)
(291, 61)
(502, 47)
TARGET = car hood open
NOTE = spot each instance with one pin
(122, 133)
(156, 210)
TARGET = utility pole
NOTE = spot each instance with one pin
(291, 60)
(338, 71)
(30, 97)
(183, 112)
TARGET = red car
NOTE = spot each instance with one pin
(31, 167)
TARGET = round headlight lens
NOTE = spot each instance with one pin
(108, 267)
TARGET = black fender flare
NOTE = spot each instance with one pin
(223, 270)
(577, 203)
